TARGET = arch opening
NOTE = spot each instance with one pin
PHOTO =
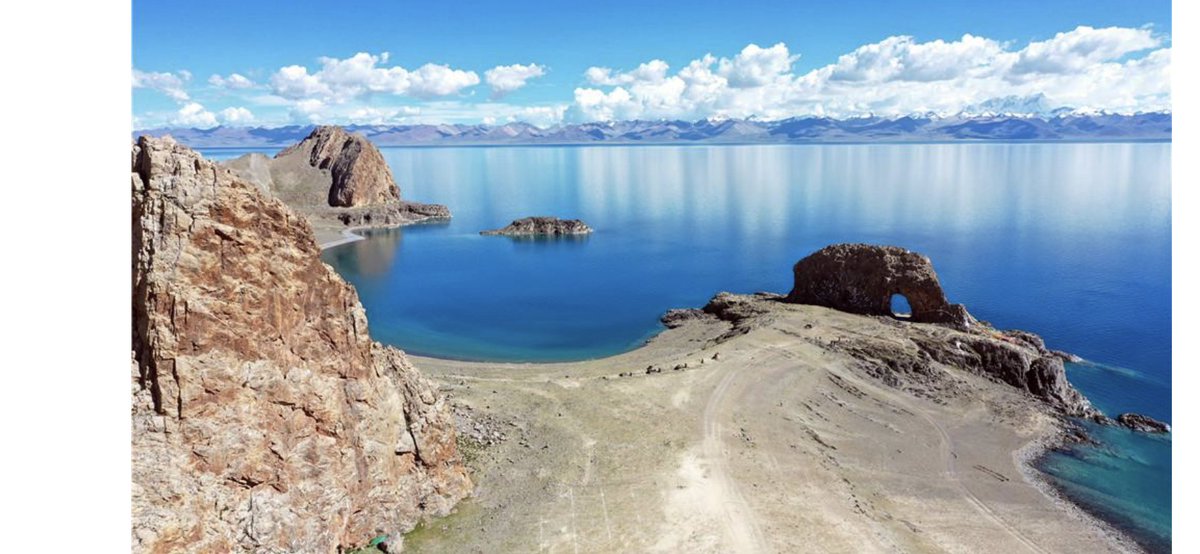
(899, 307)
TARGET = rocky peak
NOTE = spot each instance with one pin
(360, 176)
(264, 418)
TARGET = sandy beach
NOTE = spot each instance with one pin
(328, 238)
(763, 441)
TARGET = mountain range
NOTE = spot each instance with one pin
(912, 128)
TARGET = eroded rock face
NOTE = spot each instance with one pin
(1007, 356)
(360, 176)
(861, 279)
(264, 418)
(544, 226)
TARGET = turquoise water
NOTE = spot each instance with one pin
(1071, 241)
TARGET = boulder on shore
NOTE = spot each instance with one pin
(542, 226)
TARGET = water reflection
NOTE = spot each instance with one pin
(1071, 241)
(1029, 235)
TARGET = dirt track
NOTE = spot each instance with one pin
(778, 445)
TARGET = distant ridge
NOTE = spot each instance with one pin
(912, 128)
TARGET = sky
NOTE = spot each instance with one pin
(204, 64)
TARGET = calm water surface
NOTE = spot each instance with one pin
(1071, 241)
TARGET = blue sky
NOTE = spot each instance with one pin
(825, 58)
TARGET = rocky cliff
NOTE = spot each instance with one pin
(543, 226)
(264, 418)
(335, 179)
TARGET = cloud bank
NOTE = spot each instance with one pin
(1116, 69)
(1086, 68)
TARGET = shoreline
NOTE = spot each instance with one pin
(348, 236)
(553, 411)
(1027, 459)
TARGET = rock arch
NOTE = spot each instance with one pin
(861, 279)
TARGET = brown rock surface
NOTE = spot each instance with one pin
(336, 179)
(359, 175)
(861, 279)
(542, 225)
(264, 418)
(1143, 423)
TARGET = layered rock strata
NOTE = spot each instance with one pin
(264, 418)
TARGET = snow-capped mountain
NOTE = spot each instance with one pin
(1003, 120)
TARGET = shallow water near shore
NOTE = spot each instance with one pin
(1071, 241)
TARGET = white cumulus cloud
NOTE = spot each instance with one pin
(1114, 69)
(341, 80)
(1082, 48)
(233, 81)
(235, 116)
(506, 78)
(170, 84)
(381, 116)
(193, 114)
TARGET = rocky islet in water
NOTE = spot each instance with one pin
(541, 226)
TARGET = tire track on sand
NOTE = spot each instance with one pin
(947, 447)
(740, 522)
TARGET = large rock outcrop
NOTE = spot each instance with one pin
(358, 174)
(861, 279)
(335, 179)
(264, 418)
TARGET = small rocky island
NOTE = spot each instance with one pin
(542, 226)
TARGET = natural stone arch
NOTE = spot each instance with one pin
(896, 312)
(861, 279)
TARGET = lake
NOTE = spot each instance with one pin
(1069, 240)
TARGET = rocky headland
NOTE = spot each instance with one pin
(812, 421)
(338, 180)
(264, 418)
(541, 226)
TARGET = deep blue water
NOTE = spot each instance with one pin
(1071, 241)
